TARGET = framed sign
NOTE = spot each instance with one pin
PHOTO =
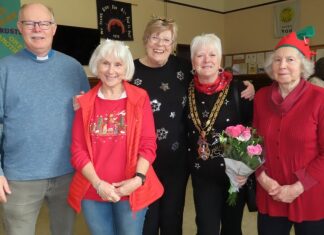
(286, 17)
(115, 20)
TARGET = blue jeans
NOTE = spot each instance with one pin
(107, 218)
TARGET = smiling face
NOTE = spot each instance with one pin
(37, 40)
(158, 48)
(111, 71)
(286, 66)
(206, 63)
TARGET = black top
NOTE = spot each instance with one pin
(167, 87)
(229, 114)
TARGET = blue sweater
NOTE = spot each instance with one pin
(37, 113)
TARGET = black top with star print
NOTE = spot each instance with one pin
(230, 113)
(167, 87)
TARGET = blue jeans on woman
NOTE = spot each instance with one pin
(110, 218)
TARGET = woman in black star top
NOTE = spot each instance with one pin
(166, 78)
(214, 104)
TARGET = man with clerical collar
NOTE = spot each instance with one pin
(36, 89)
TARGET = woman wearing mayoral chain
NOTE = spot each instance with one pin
(214, 104)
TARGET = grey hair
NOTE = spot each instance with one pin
(307, 65)
(112, 48)
(203, 40)
(24, 6)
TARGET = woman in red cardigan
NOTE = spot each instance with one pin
(289, 114)
(113, 147)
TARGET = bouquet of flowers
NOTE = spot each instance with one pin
(242, 155)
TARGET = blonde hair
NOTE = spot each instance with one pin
(112, 48)
(158, 25)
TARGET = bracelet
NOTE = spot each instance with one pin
(97, 186)
(142, 176)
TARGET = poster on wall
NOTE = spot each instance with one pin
(115, 20)
(286, 17)
(10, 38)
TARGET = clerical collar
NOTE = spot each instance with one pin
(40, 58)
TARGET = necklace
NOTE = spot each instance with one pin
(203, 148)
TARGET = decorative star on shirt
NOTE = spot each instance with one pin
(172, 115)
(155, 105)
(138, 81)
(197, 166)
(226, 101)
(180, 75)
(164, 86)
(162, 133)
(205, 114)
(184, 101)
(175, 146)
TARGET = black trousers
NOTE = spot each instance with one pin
(165, 216)
(212, 212)
(269, 225)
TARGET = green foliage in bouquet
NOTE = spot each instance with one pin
(244, 147)
(243, 155)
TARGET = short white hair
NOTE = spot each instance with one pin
(204, 40)
(307, 66)
(112, 48)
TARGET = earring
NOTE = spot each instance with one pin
(193, 71)
(220, 70)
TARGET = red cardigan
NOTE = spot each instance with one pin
(294, 150)
(152, 189)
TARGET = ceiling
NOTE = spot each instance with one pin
(223, 6)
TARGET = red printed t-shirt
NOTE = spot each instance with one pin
(108, 137)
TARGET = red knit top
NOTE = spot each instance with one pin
(294, 150)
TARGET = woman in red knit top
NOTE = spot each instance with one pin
(113, 147)
(289, 114)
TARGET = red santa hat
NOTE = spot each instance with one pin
(299, 40)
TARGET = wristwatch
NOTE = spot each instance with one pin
(142, 176)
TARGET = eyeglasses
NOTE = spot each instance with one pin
(44, 25)
(164, 41)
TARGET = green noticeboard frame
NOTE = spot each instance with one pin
(10, 38)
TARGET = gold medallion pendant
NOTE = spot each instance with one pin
(203, 149)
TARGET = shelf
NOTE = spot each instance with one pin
(259, 80)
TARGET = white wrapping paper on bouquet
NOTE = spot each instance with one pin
(234, 168)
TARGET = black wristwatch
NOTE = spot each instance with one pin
(142, 176)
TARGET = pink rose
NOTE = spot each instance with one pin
(254, 150)
(234, 131)
(245, 135)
